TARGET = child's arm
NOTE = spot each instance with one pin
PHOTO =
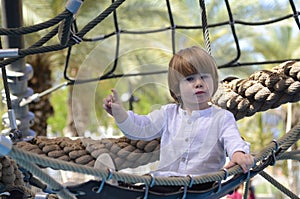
(134, 126)
(113, 105)
(246, 161)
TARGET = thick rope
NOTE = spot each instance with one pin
(56, 186)
(246, 189)
(26, 159)
(205, 26)
(277, 86)
(279, 185)
(59, 148)
(35, 49)
(11, 178)
(125, 152)
(283, 143)
(263, 90)
(37, 27)
(83, 152)
(100, 18)
(42, 41)
(292, 155)
(283, 81)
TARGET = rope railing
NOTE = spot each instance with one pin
(264, 158)
(88, 152)
(243, 97)
(85, 151)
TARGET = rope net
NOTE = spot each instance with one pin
(263, 90)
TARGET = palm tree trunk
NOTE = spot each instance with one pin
(40, 81)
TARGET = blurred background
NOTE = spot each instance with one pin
(76, 111)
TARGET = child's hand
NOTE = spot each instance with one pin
(111, 100)
(113, 105)
(246, 161)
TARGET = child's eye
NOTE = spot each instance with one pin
(189, 79)
(205, 76)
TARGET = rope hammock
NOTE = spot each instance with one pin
(262, 91)
(277, 86)
(268, 156)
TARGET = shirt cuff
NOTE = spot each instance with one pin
(245, 149)
(125, 124)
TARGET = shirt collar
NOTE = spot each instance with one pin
(197, 113)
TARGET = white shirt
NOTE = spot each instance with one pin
(193, 144)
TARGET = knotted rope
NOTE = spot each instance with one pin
(243, 97)
(263, 90)
(62, 148)
(126, 153)
(264, 158)
(11, 178)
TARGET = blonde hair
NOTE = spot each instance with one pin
(189, 61)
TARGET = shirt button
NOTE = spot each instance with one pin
(183, 159)
(186, 139)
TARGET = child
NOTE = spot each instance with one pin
(195, 135)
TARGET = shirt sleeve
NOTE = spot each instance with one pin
(231, 137)
(144, 127)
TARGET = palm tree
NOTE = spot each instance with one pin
(42, 64)
(40, 82)
(45, 64)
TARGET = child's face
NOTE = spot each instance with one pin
(196, 91)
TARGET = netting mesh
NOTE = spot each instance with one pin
(161, 28)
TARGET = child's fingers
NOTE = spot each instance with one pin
(231, 164)
(245, 168)
(106, 107)
(106, 100)
(115, 95)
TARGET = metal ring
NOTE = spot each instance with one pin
(110, 174)
(226, 173)
(184, 192)
(219, 186)
(254, 162)
(152, 182)
(276, 145)
(274, 158)
(248, 176)
(146, 192)
(191, 181)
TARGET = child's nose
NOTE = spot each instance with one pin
(198, 82)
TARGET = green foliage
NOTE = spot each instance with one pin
(259, 130)
(58, 121)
